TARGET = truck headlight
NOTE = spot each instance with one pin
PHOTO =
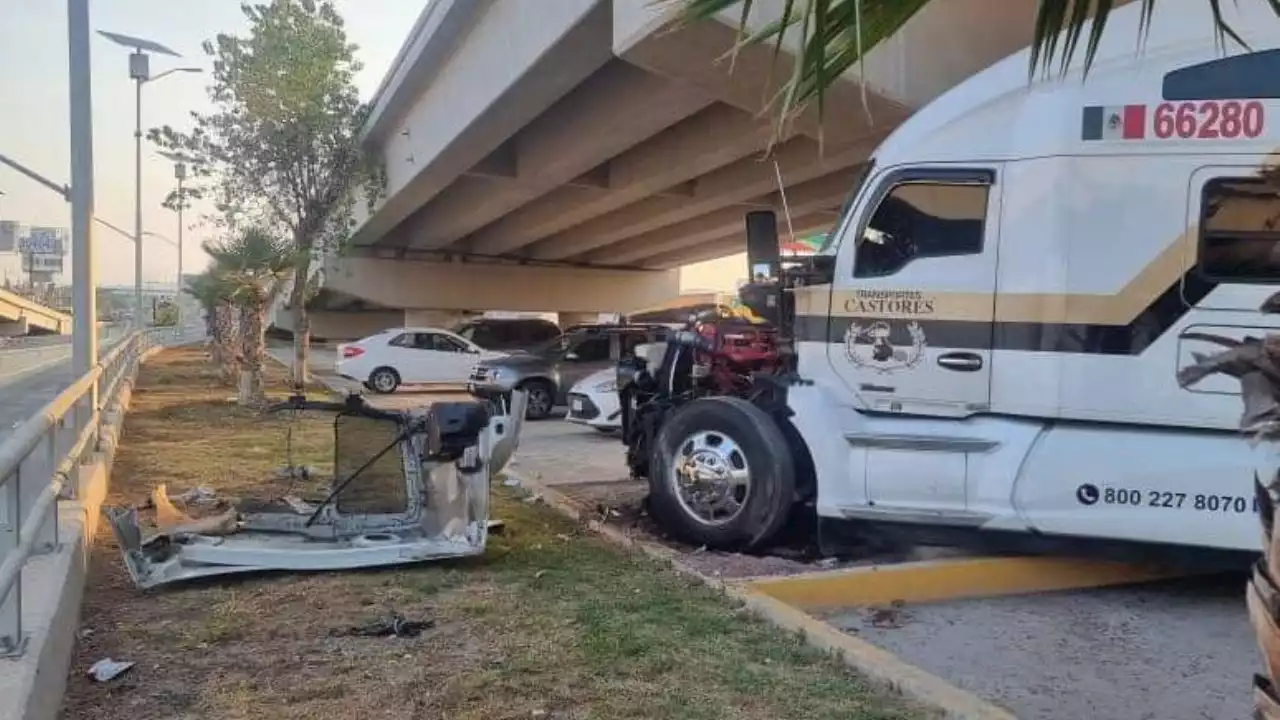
(606, 386)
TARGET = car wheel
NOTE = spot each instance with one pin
(542, 399)
(721, 475)
(608, 430)
(384, 380)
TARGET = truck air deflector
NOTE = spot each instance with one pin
(1251, 76)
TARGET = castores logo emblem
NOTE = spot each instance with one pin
(870, 346)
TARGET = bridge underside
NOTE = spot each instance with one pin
(588, 133)
(20, 316)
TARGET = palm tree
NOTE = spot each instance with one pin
(214, 297)
(253, 266)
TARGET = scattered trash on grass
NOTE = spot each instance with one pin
(197, 496)
(394, 624)
(890, 617)
(106, 670)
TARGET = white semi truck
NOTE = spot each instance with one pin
(989, 345)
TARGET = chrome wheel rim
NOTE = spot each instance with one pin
(711, 477)
(384, 381)
(539, 401)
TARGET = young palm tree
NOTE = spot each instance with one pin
(214, 297)
(835, 34)
(253, 266)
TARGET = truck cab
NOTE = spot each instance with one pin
(994, 344)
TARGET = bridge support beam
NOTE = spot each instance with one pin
(14, 328)
(473, 286)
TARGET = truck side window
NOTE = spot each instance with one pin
(1240, 231)
(922, 219)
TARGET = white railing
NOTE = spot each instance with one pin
(39, 465)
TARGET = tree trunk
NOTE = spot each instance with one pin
(301, 322)
(1254, 363)
(227, 353)
(253, 325)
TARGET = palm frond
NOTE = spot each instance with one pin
(833, 36)
(252, 263)
(1060, 24)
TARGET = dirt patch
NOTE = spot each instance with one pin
(549, 623)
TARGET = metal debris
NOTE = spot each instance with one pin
(106, 670)
(392, 625)
(435, 507)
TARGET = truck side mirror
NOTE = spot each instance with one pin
(764, 258)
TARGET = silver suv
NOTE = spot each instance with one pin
(547, 372)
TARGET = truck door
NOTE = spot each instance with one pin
(913, 302)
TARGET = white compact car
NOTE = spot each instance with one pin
(409, 356)
(594, 401)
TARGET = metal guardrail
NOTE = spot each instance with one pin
(38, 465)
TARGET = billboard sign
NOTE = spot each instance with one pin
(41, 241)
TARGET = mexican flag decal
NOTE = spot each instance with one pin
(1114, 122)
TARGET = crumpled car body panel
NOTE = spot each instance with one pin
(445, 514)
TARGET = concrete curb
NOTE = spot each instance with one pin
(34, 687)
(875, 663)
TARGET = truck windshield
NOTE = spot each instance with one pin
(829, 245)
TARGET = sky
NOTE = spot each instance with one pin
(34, 123)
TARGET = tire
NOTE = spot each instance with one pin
(542, 399)
(755, 445)
(384, 380)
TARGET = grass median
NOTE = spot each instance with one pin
(550, 623)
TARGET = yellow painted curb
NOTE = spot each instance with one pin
(952, 579)
(876, 663)
(872, 662)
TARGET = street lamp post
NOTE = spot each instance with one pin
(84, 328)
(140, 73)
(179, 174)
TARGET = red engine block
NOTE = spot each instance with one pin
(744, 348)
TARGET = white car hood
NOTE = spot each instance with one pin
(588, 383)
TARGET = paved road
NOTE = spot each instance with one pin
(24, 397)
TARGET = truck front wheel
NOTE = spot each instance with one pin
(721, 475)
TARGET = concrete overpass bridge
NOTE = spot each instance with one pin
(20, 316)
(568, 156)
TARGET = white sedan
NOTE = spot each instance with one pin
(594, 401)
(409, 356)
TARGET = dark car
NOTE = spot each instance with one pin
(508, 333)
(549, 371)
